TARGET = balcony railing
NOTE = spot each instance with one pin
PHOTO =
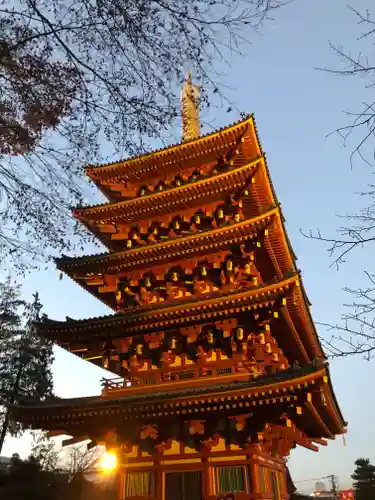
(114, 383)
(159, 378)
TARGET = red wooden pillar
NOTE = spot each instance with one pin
(159, 493)
(119, 483)
(205, 476)
(253, 479)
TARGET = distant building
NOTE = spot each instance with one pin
(320, 486)
(347, 495)
(4, 462)
(327, 495)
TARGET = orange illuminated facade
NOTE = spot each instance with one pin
(217, 368)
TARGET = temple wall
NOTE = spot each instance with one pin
(182, 473)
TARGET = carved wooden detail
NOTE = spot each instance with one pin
(173, 226)
(225, 162)
(220, 272)
(208, 350)
(243, 431)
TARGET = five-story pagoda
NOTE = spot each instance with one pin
(219, 369)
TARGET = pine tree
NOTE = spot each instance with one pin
(35, 356)
(9, 303)
(364, 479)
(25, 359)
(9, 328)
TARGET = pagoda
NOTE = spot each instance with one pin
(215, 367)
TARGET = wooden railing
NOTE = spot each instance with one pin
(157, 378)
(114, 383)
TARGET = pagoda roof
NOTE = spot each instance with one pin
(276, 253)
(141, 319)
(295, 317)
(171, 391)
(206, 190)
(70, 415)
(177, 156)
(169, 250)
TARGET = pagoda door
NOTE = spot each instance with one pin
(183, 485)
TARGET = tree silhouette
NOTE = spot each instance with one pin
(30, 479)
(80, 76)
(364, 479)
(25, 358)
(355, 333)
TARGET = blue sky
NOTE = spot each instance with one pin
(295, 107)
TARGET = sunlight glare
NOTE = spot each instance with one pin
(108, 461)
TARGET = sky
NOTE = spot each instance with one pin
(296, 107)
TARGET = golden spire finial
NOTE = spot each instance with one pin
(190, 112)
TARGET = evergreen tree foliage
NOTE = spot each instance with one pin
(27, 480)
(25, 358)
(364, 479)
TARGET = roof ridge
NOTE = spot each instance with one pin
(118, 315)
(171, 189)
(264, 380)
(95, 167)
(253, 220)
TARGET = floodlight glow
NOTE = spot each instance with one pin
(108, 461)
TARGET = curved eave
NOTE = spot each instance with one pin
(284, 390)
(83, 333)
(269, 184)
(271, 264)
(309, 319)
(143, 320)
(170, 200)
(326, 418)
(269, 385)
(168, 250)
(299, 311)
(334, 407)
(202, 148)
(276, 245)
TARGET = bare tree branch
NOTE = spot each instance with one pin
(80, 77)
(362, 123)
(355, 333)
